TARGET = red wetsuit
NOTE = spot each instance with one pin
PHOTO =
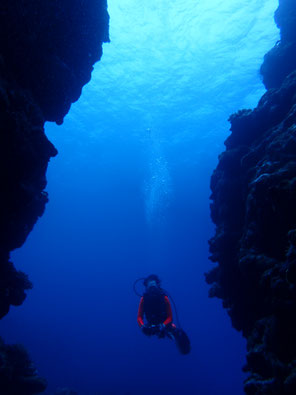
(168, 308)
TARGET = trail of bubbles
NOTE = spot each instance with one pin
(158, 185)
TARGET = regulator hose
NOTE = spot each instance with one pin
(135, 284)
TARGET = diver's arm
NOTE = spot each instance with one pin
(168, 308)
(141, 313)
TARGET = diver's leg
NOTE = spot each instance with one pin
(171, 330)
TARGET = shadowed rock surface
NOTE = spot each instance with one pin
(281, 60)
(254, 195)
(17, 373)
(47, 52)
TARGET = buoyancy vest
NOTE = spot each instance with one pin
(155, 306)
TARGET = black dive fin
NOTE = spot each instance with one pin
(182, 341)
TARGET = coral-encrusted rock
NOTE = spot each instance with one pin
(281, 60)
(254, 195)
(47, 52)
(50, 48)
(17, 374)
(24, 155)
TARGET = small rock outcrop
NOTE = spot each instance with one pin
(47, 52)
(253, 208)
(17, 373)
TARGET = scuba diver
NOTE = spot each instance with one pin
(155, 308)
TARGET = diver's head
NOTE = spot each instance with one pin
(152, 282)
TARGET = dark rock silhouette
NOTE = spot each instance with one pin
(47, 52)
(24, 154)
(17, 374)
(281, 60)
(254, 195)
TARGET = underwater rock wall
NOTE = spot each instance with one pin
(281, 60)
(47, 52)
(253, 208)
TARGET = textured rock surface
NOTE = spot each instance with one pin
(17, 374)
(281, 60)
(24, 154)
(47, 52)
(254, 195)
(50, 47)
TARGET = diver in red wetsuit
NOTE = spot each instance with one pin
(156, 308)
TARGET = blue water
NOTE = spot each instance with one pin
(129, 195)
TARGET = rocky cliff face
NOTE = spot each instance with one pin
(47, 52)
(253, 207)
